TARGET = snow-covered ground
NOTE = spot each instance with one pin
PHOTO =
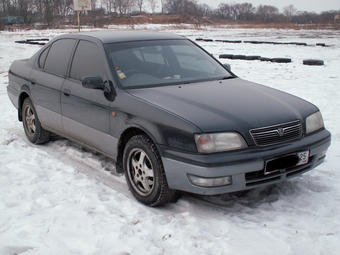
(59, 199)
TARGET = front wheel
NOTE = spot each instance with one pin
(32, 126)
(144, 172)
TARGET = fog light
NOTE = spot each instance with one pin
(210, 182)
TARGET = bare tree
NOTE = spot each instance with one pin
(110, 6)
(63, 7)
(3, 7)
(173, 6)
(93, 4)
(23, 8)
(190, 7)
(153, 5)
(305, 17)
(289, 11)
(163, 2)
(48, 11)
(124, 6)
(225, 11)
(245, 11)
(205, 9)
(119, 4)
(140, 4)
(267, 12)
(9, 7)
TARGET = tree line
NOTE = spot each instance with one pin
(47, 11)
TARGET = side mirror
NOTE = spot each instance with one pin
(227, 66)
(95, 82)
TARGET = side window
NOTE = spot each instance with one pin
(58, 56)
(87, 61)
(42, 58)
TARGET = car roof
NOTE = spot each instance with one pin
(112, 36)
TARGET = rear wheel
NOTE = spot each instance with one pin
(144, 172)
(32, 126)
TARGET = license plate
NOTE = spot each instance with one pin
(288, 161)
(303, 157)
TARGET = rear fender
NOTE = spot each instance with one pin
(24, 93)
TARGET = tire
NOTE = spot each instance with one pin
(281, 60)
(265, 59)
(144, 172)
(313, 62)
(230, 56)
(32, 126)
(252, 57)
(232, 41)
(239, 57)
(252, 42)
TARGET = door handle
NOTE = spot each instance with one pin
(67, 92)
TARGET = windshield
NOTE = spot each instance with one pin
(162, 62)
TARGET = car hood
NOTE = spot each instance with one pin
(227, 105)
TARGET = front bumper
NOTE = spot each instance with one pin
(245, 167)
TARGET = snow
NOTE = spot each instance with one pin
(60, 199)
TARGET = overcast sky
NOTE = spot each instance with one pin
(317, 6)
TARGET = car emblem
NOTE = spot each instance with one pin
(280, 131)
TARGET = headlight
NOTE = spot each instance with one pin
(217, 142)
(314, 122)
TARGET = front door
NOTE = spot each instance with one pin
(86, 112)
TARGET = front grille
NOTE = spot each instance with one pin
(277, 134)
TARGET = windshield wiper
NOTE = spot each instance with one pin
(227, 77)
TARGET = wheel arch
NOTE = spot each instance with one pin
(124, 138)
(23, 95)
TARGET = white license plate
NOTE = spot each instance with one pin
(285, 162)
(303, 157)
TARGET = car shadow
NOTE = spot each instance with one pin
(252, 198)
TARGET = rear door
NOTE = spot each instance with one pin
(86, 112)
(47, 79)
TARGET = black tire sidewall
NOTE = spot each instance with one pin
(28, 103)
(313, 62)
(140, 141)
(38, 128)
